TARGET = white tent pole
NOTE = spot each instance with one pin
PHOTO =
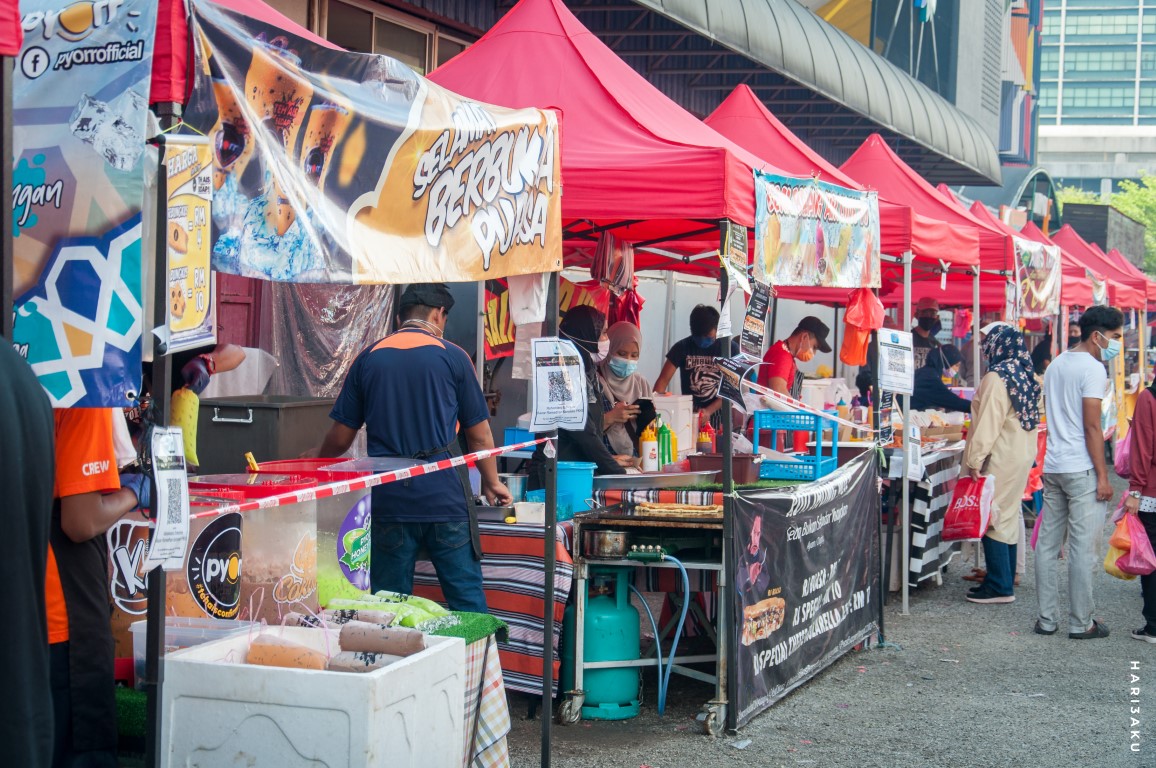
(668, 318)
(975, 377)
(905, 565)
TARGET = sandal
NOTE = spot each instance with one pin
(977, 574)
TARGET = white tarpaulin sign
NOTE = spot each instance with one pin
(558, 386)
(171, 504)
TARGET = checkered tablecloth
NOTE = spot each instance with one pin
(487, 719)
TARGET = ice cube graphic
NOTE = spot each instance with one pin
(112, 128)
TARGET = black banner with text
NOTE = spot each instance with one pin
(807, 580)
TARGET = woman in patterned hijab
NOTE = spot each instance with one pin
(1008, 356)
(1001, 446)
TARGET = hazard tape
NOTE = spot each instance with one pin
(799, 405)
(361, 483)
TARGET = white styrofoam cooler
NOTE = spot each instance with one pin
(221, 713)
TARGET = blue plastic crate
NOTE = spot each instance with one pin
(514, 435)
(807, 468)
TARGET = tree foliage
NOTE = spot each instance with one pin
(1071, 194)
(1138, 200)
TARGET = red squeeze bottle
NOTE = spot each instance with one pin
(800, 441)
(706, 427)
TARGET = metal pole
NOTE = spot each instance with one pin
(480, 337)
(835, 347)
(975, 377)
(774, 319)
(161, 388)
(668, 316)
(549, 542)
(905, 564)
(7, 270)
(726, 673)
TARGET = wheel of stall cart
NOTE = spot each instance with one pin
(570, 711)
(712, 718)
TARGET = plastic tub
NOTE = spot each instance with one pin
(576, 478)
(745, 466)
(565, 502)
(181, 632)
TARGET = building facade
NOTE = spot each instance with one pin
(1098, 92)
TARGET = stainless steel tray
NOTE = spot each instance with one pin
(652, 481)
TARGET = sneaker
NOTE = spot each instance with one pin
(1039, 629)
(1098, 630)
(985, 598)
(1145, 634)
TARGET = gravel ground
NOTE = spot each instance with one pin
(968, 685)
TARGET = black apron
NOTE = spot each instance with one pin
(463, 473)
(83, 572)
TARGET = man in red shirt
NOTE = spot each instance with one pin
(779, 371)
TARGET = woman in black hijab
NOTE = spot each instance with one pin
(586, 327)
(929, 390)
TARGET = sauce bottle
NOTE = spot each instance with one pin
(648, 449)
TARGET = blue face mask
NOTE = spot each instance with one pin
(703, 342)
(621, 367)
(1110, 352)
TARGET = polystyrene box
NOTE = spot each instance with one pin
(677, 412)
(222, 713)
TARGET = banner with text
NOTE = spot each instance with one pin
(337, 167)
(1037, 279)
(807, 580)
(80, 115)
(192, 311)
(810, 233)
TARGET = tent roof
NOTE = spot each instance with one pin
(11, 33)
(744, 119)
(875, 165)
(1123, 290)
(629, 153)
(958, 294)
(1128, 267)
(170, 80)
(1075, 287)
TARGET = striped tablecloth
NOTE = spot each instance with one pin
(665, 496)
(513, 571)
(929, 500)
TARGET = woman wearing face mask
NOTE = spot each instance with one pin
(623, 386)
(586, 327)
(929, 390)
(1002, 443)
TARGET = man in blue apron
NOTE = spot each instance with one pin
(413, 391)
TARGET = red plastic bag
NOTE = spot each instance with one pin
(969, 513)
(1139, 559)
(864, 314)
(1036, 529)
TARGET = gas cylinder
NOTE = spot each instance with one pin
(611, 634)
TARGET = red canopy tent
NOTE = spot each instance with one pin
(875, 165)
(1075, 288)
(11, 33)
(1123, 290)
(1128, 267)
(744, 119)
(633, 160)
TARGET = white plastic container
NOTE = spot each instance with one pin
(677, 412)
(181, 632)
(220, 711)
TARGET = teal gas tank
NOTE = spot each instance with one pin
(611, 634)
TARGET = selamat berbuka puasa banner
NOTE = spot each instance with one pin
(338, 167)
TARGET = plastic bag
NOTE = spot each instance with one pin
(1121, 538)
(1140, 559)
(1123, 454)
(969, 513)
(864, 314)
(1036, 528)
(1112, 568)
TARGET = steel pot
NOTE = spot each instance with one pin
(605, 544)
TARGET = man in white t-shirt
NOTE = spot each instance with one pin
(1076, 487)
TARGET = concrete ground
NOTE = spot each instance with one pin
(968, 685)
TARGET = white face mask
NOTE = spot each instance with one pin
(603, 350)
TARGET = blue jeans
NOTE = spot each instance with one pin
(1001, 566)
(449, 546)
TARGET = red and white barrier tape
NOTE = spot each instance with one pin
(345, 486)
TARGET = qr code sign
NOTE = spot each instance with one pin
(173, 509)
(895, 364)
(559, 387)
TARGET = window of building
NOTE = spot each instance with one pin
(1098, 24)
(1100, 60)
(1051, 24)
(1112, 99)
(1048, 96)
(1049, 60)
(418, 44)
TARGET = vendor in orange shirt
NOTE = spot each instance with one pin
(88, 499)
(779, 371)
